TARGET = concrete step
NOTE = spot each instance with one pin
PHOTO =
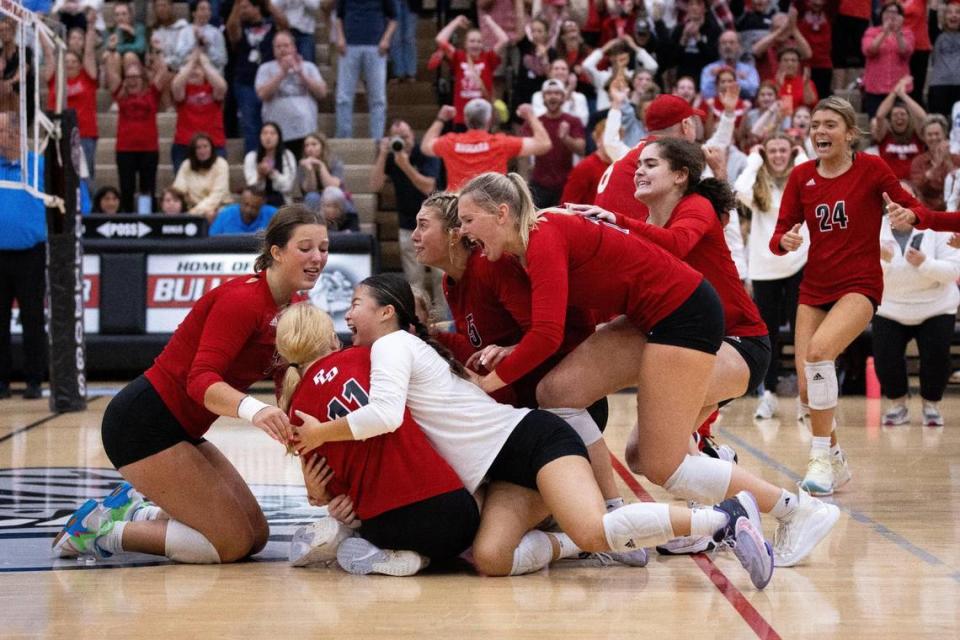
(348, 150)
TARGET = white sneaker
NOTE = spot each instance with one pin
(798, 534)
(360, 557)
(932, 416)
(767, 407)
(819, 478)
(637, 558)
(896, 415)
(317, 543)
(841, 472)
(687, 545)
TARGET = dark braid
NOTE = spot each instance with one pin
(392, 289)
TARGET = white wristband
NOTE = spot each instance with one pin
(249, 407)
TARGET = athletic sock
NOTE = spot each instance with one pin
(614, 503)
(820, 444)
(151, 512)
(706, 522)
(568, 548)
(112, 541)
(785, 506)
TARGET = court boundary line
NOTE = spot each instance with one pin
(734, 596)
(874, 525)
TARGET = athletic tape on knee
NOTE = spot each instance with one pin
(582, 423)
(822, 387)
(534, 552)
(189, 546)
(700, 478)
(637, 525)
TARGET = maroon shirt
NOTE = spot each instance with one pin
(550, 170)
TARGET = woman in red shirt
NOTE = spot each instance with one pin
(81, 88)
(197, 90)
(838, 195)
(406, 496)
(672, 314)
(490, 303)
(153, 429)
(138, 147)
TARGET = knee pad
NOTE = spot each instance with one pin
(700, 478)
(637, 525)
(582, 423)
(188, 545)
(822, 387)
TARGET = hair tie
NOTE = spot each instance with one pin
(294, 365)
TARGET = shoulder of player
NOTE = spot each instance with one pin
(694, 205)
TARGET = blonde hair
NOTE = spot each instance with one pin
(762, 185)
(304, 334)
(846, 111)
(490, 190)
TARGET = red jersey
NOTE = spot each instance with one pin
(817, 31)
(792, 88)
(199, 112)
(228, 336)
(899, 155)
(82, 98)
(938, 220)
(468, 84)
(843, 215)
(552, 168)
(616, 188)
(592, 266)
(467, 155)
(137, 120)
(581, 186)
(490, 304)
(380, 474)
(694, 234)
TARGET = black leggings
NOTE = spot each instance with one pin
(933, 337)
(777, 302)
(132, 165)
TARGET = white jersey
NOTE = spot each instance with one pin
(465, 425)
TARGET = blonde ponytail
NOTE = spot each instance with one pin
(304, 334)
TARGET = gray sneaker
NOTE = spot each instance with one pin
(360, 557)
(896, 415)
(317, 543)
(932, 416)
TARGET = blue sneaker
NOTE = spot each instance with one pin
(80, 533)
(123, 501)
(742, 505)
(743, 534)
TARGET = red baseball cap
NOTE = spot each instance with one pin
(667, 110)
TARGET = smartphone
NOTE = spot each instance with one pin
(915, 241)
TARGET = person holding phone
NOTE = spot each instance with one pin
(920, 300)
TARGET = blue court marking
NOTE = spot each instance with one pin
(859, 516)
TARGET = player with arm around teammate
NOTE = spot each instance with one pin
(153, 429)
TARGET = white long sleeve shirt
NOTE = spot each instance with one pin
(763, 264)
(465, 425)
(914, 294)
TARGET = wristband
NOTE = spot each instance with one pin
(249, 407)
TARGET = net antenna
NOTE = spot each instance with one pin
(30, 28)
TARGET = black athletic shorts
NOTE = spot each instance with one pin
(696, 324)
(441, 527)
(600, 412)
(539, 439)
(137, 424)
(756, 352)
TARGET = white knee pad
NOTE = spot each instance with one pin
(700, 478)
(534, 552)
(822, 387)
(189, 546)
(582, 422)
(637, 525)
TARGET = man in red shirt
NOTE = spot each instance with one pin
(567, 138)
(466, 155)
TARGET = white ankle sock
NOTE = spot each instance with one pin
(532, 554)
(820, 444)
(614, 503)
(188, 545)
(112, 542)
(706, 522)
(786, 505)
(636, 525)
(151, 512)
(568, 548)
